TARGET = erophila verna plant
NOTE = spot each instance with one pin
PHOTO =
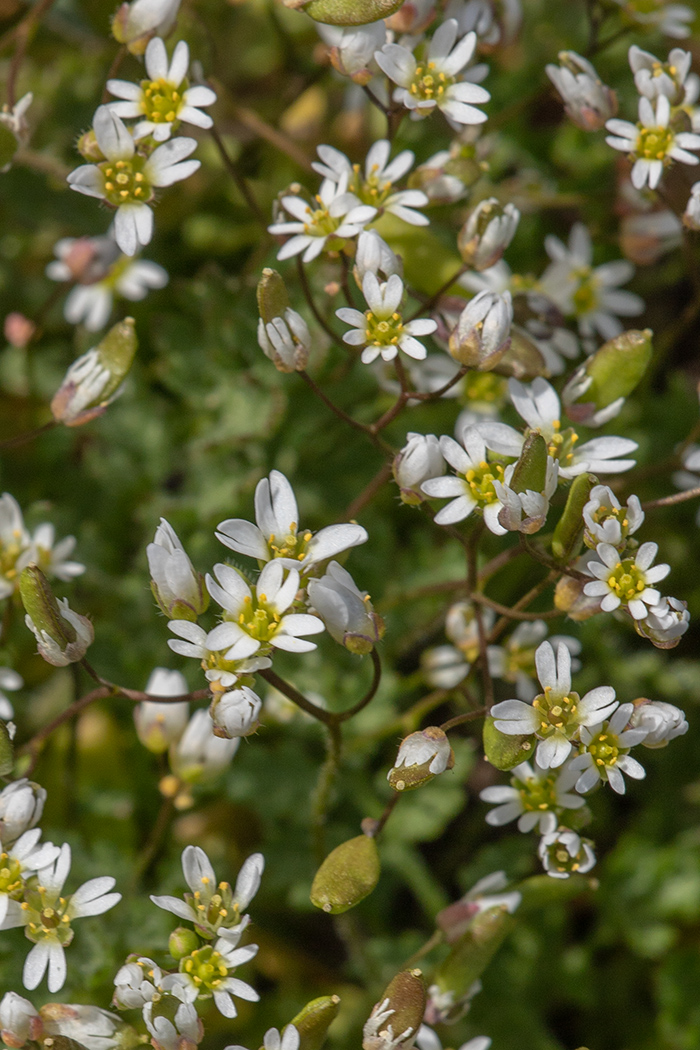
(371, 494)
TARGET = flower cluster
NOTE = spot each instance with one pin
(19, 548)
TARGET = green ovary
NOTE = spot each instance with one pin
(537, 795)
(258, 620)
(626, 580)
(384, 331)
(480, 481)
(557, 713)
(206, 968)
(605, 749)
(125, 182)
(161, 100)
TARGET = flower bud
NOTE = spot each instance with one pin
(21, 806)
(481, 337)
(665, 623)
(606, 521)
(568, 533)
(422, 756)
(563, 852)
(418, 461)
(283, 334)
(374, 255)
(134, 24)
(352, 49)
(597, 390)
(348, 875)
(396, 1018)
(18, 329)
(503, 750)
(200, 756)
(19, 1021)
(94, 380)
(446, 177)
(236, 713)
(88, 147)
(181, 942)
(14, 130)
(178, 589)
(345, 12)
(570, 599)
(587, 101)
(314, 1020)
(346, 611)
(663, 722)
(487, 233)
(63, 636)
(160, 725)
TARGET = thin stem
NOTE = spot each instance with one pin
(459, 719)
(472, 555)
(303, 280)
(343, 716)
(23, 439)
(240, 181)
(544, 559)
(345, 283)
(368, 493)
(113, 70)
(297, 698)
(154, 841)
(435, 938)
(33, 746)
(669, 501)
(374, 438)
(513, 613)
(22, 33)
(424, 307)
(377, 826)
(433, 394)
(521, 603)
(376, 102)
(253, 122)
(321, 795)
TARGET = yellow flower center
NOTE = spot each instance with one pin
(626, 580)
(654, 143)
(125, 182)
(480, 481)
(429, 86)
(161, 100)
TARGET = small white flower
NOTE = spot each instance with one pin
(208, 971)
(691, 215)
(374, 255)
(88, 1026)
(376, 187)
(381, 329)
(345, 610)
(662, 722)
(143, 18)
(137, 982)
(557, 715)
(653, 78)
(378, 1031)
(164, 99)
(286, 341)
(487, 233)
(589, 294)
(426, 747)
(289, 1040)
(484, 896)
(199, 755)
(651, 143)
(211, 905)
(536, 798)
(60, 654)
(19, 548)
(605, 752)
(472, 488)
(563, 852)
(352, 48)
(20, 860)
(19, 1021)
(427, 1039)
(127, 179)
(48, 915)
(236, 713)
(185, 1030)
(668, 18)
(192, 640)
(418, 460)
(21, 806)
(482, 335)
(665, 623)
(15, 121)
(587, 100)
(338, 215)
(443, 666)
(277, 535)
(435, 80)
(625, 583)
(176, 586)
(515, 661)
(160, 725)
(607, 521)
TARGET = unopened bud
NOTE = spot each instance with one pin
(446, 177)
(160, 725)
(21, 806)
(374, 255)
(665, 623)
(176, 585)
(422, 756)
(396, 1018)
(63, 636)
(182, 942)
(235, 713)
(345, 12)
(568, 533)
(597, 390)
(18, 329)
(487, 233)
(88, 147)
(663, 722)
(505, 751)
(482, 335)
(314, 1020)
(418, 461)
(345, 610)
(347, 875)
(95, 379)
(691, 215)
(587, 100)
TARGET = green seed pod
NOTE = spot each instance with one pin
(568, 534)
(522, 360)
(503, 750)
(474, 950)
(530, 471)
(6, 751)
(40, 604)
(401, 1006)
(345, 12)
(596, 391)
(347, 875)
(312, 1023)
(182, 942)
(272, 295)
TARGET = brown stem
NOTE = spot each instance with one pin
(434, 394)
(253, 122)
(379, 442)
(521, 603)
(434, 298)
(343, 716)
(240, 181)
(113, 70)
(513, 613)
(368, 493)
(154, 841)
(378, 825)
(23, 439)
(459, 719)
(297, 698)
(669, 501)
(22, 32)
(33, 746)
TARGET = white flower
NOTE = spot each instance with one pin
(605, 752)
(487, 233)
(64, 652)
(88, 1026)
(691, 215)
(378, 1031)
(9, 679)
(19, 1021)
(176, 586)
(21, 806)
(289, 1040)
(380, 175)
(515, 661)
(374, 255)
(557, 715)
(338, 215)
(651, 143)
(563, 852)
(160, 725)
(353, 47)
(163, 100)
(485, 895)
(199, 755)
(18, 861)
(473, 487)
(625, 583)
(236, 713)
(662, 722)
(665, 623)
(48, 915)
(15, 121)
(427, 1039)
(142, 18)
(286, 341)
(208, 971)
(434, 82)
(606, 520)
(211, 905)
(482, 335)
(425, 746)
(52, 557)
(538, 404)
(127, 179)
(443, 666)
(345, 610)
(185, 1030)
(587, 100)
(668, 18)
(102, 273)
(536, 797)
(653, 78)
(192, 640)
(137, 982)
(381, 330)
(277, 534)
(418, 460)
(587, 293)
